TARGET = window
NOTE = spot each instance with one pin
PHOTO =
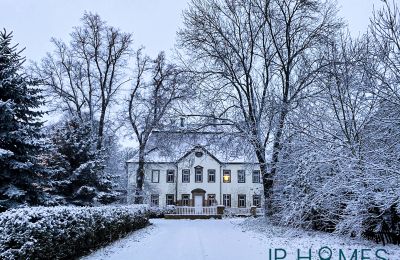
(211, 200)
(198, 174)
(211, 175)
(227, 176)
(170, 176)
(241, 176)
(227, 200)
(186, 175)
(170, 199)
(185, 199)
(256, 176)
(154, 200)
(198, 154)
(155, 176)
(241, 201)
(257, 201)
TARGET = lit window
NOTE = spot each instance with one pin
(241, 201)
(227, 176)
(227, 200)
(154, 200)
(185, 199)
(257, 201)
(170, 199)
(256, 176)
(241, 176)
(198, 174)
(186, 175)
(170, 176)
(211, 200)
(211, 175)
(155, 176)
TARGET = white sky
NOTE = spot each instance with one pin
(153, 22)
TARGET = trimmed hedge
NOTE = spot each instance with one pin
(65, 232)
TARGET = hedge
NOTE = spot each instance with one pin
(65, 232)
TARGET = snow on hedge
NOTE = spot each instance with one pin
(65, 232)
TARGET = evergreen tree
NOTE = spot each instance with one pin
(19, 129)
(76, 166)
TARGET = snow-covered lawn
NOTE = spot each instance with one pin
(229, 239)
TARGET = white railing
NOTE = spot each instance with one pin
(238, 211)
(195, 210)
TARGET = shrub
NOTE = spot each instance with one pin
(65, 232)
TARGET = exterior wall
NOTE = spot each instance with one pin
(248, 188)
(208, 163)
(162, 187)
(178, 188)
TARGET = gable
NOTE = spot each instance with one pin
(198, 157)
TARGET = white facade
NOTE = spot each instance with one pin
(241, 187)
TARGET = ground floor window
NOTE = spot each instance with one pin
(227, 200)
(241, 201)
(211, 200)
(170, 199)
(257, 201)
(155, 201)
(185, 199)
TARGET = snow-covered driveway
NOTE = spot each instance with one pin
(187, 239)
(231, 239)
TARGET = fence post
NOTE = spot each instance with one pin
(220, 209)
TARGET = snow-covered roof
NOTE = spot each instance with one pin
(171, 146)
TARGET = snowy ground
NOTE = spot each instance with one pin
(233, 239)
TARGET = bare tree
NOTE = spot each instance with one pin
(86, 74)
(231, 52)
(157, 86)
(297, 30)
(338, 170)
(385, 45)
(258, 59)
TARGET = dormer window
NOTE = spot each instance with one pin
(182, 122)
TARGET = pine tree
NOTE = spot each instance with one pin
(19, 129)
(77, 171)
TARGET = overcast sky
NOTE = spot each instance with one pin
(153, 22)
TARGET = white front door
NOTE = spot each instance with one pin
(198, 204)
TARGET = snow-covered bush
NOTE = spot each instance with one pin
(65, 232)
(159, 212)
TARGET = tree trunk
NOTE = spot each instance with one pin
(260, 153)
(268, 180)
(101, 129)
(140, 178)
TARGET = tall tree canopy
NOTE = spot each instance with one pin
(19, 129)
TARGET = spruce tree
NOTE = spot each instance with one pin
(19, 129)
(77, 171)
